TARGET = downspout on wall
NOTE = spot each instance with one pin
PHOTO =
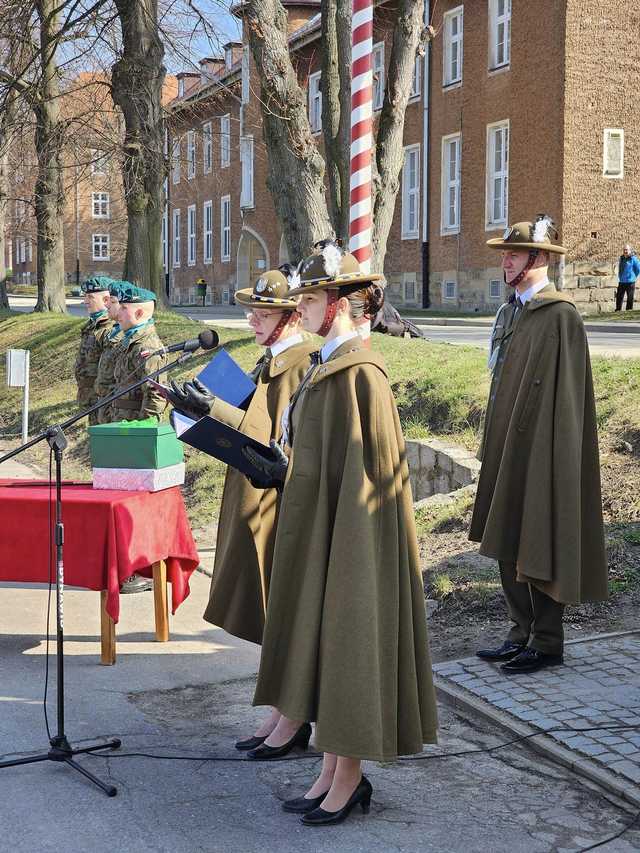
(426, 178)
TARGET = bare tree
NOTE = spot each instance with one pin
(296, 167)
(137, 79)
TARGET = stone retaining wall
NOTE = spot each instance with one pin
(438, 467)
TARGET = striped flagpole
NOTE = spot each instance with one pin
(361, 137)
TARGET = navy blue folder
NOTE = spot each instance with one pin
(222, 442)
(227, 380)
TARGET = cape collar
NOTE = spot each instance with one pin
(548, 296)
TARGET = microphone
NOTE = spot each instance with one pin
(207, 339)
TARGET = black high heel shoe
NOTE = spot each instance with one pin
(266, 753)
(250, 742)
(302, 805)
(362, 795)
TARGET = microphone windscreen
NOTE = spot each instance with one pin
(208, 339)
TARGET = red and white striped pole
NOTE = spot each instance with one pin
(361, 137)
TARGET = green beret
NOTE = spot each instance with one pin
(96, 284)
(116, 288)
(131, 293)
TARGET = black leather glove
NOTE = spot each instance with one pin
(274, 469)
(193, 399)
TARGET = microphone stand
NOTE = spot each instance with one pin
(61, 750)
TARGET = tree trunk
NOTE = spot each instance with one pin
(6, 128)
(336, 109)
(389, 154)
(295, 166)
(49, 190)
(137, 80)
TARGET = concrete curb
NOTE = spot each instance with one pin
(487, 322)
(542, 743)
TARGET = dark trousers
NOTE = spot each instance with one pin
(629, 289)
(537, 618)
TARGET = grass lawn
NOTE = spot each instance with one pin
(440, 389)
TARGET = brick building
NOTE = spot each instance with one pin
(518, 108)
(95, 217)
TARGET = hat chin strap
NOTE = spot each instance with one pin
(533, 254)
(330, 313)
(282, 322)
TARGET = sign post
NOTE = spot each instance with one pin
(18, 377)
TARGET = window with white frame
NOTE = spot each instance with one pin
(411, 193)
(245, 74)
(225, 228)
(98, 162)
(30, 250)
(613, 153)
(176, 238)
(377, 61)
(207, 147)
(452, 47)
(207, 232)
(101, 247)
(315, 102)
(246, 164)
(449, 289)
(191, 235)
(409, 286)
(181, 87)
(100, 205)
(191, 155)
(450, 203)
(165, 241)
(496, 289)
(497, 174)
(175, 162)
(499, 33)
(416, 80)
(225, 140)
(165, 142)
(21, 250)
(228, 57)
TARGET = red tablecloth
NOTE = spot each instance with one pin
(108, 535)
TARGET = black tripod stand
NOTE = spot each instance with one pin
(61, 750)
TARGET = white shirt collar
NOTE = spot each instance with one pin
(528, 294)
(281, 346)
(332, 345)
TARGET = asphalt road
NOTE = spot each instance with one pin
(624, 343)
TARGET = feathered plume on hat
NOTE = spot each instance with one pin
(292, 272)
(542, 228)
(331, 252)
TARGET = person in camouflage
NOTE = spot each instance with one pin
(92, 335)
(139, 337)
(130, 362)
(105, 381)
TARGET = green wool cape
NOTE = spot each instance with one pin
(345, 640)
(247, 522)
(539, 502)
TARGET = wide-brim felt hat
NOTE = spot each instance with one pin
(271, 290)
(329, 269)
(528, 236)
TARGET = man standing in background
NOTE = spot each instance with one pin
(628, 272)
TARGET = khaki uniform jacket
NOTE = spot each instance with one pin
(129, 365)
(345, 640)
(248, 516)
(539, 502)
(105, 380)
(92, 336)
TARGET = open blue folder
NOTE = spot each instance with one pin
(227, 380)
(220, 441)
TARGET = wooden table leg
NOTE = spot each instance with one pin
(160, 601)
(107, 633)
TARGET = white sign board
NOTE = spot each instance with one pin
(17, 367)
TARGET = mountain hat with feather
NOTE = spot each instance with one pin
(538, 236)
(331, 267)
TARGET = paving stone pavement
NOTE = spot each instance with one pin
(578, 704)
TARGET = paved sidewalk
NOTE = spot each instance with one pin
(598, 688)
(15, 469)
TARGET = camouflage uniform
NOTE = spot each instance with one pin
(129, 365)
(92, 337)
(105, 381)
